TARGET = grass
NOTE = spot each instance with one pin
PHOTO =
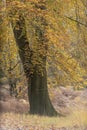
(75, 119)
(32, 122)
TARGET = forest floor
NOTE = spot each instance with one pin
(72, 104)
(11, 121)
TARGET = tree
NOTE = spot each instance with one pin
(36, 72)
(3, 33)
(41, 35)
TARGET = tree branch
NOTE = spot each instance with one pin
(76, 21)
(11, 69)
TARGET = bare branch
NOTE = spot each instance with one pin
(76, 21)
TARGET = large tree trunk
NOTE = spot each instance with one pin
(37, 81)
(39, 98)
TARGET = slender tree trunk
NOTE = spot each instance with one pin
(3, 33)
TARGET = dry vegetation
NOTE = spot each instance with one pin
(75, 121)
(72, 104)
